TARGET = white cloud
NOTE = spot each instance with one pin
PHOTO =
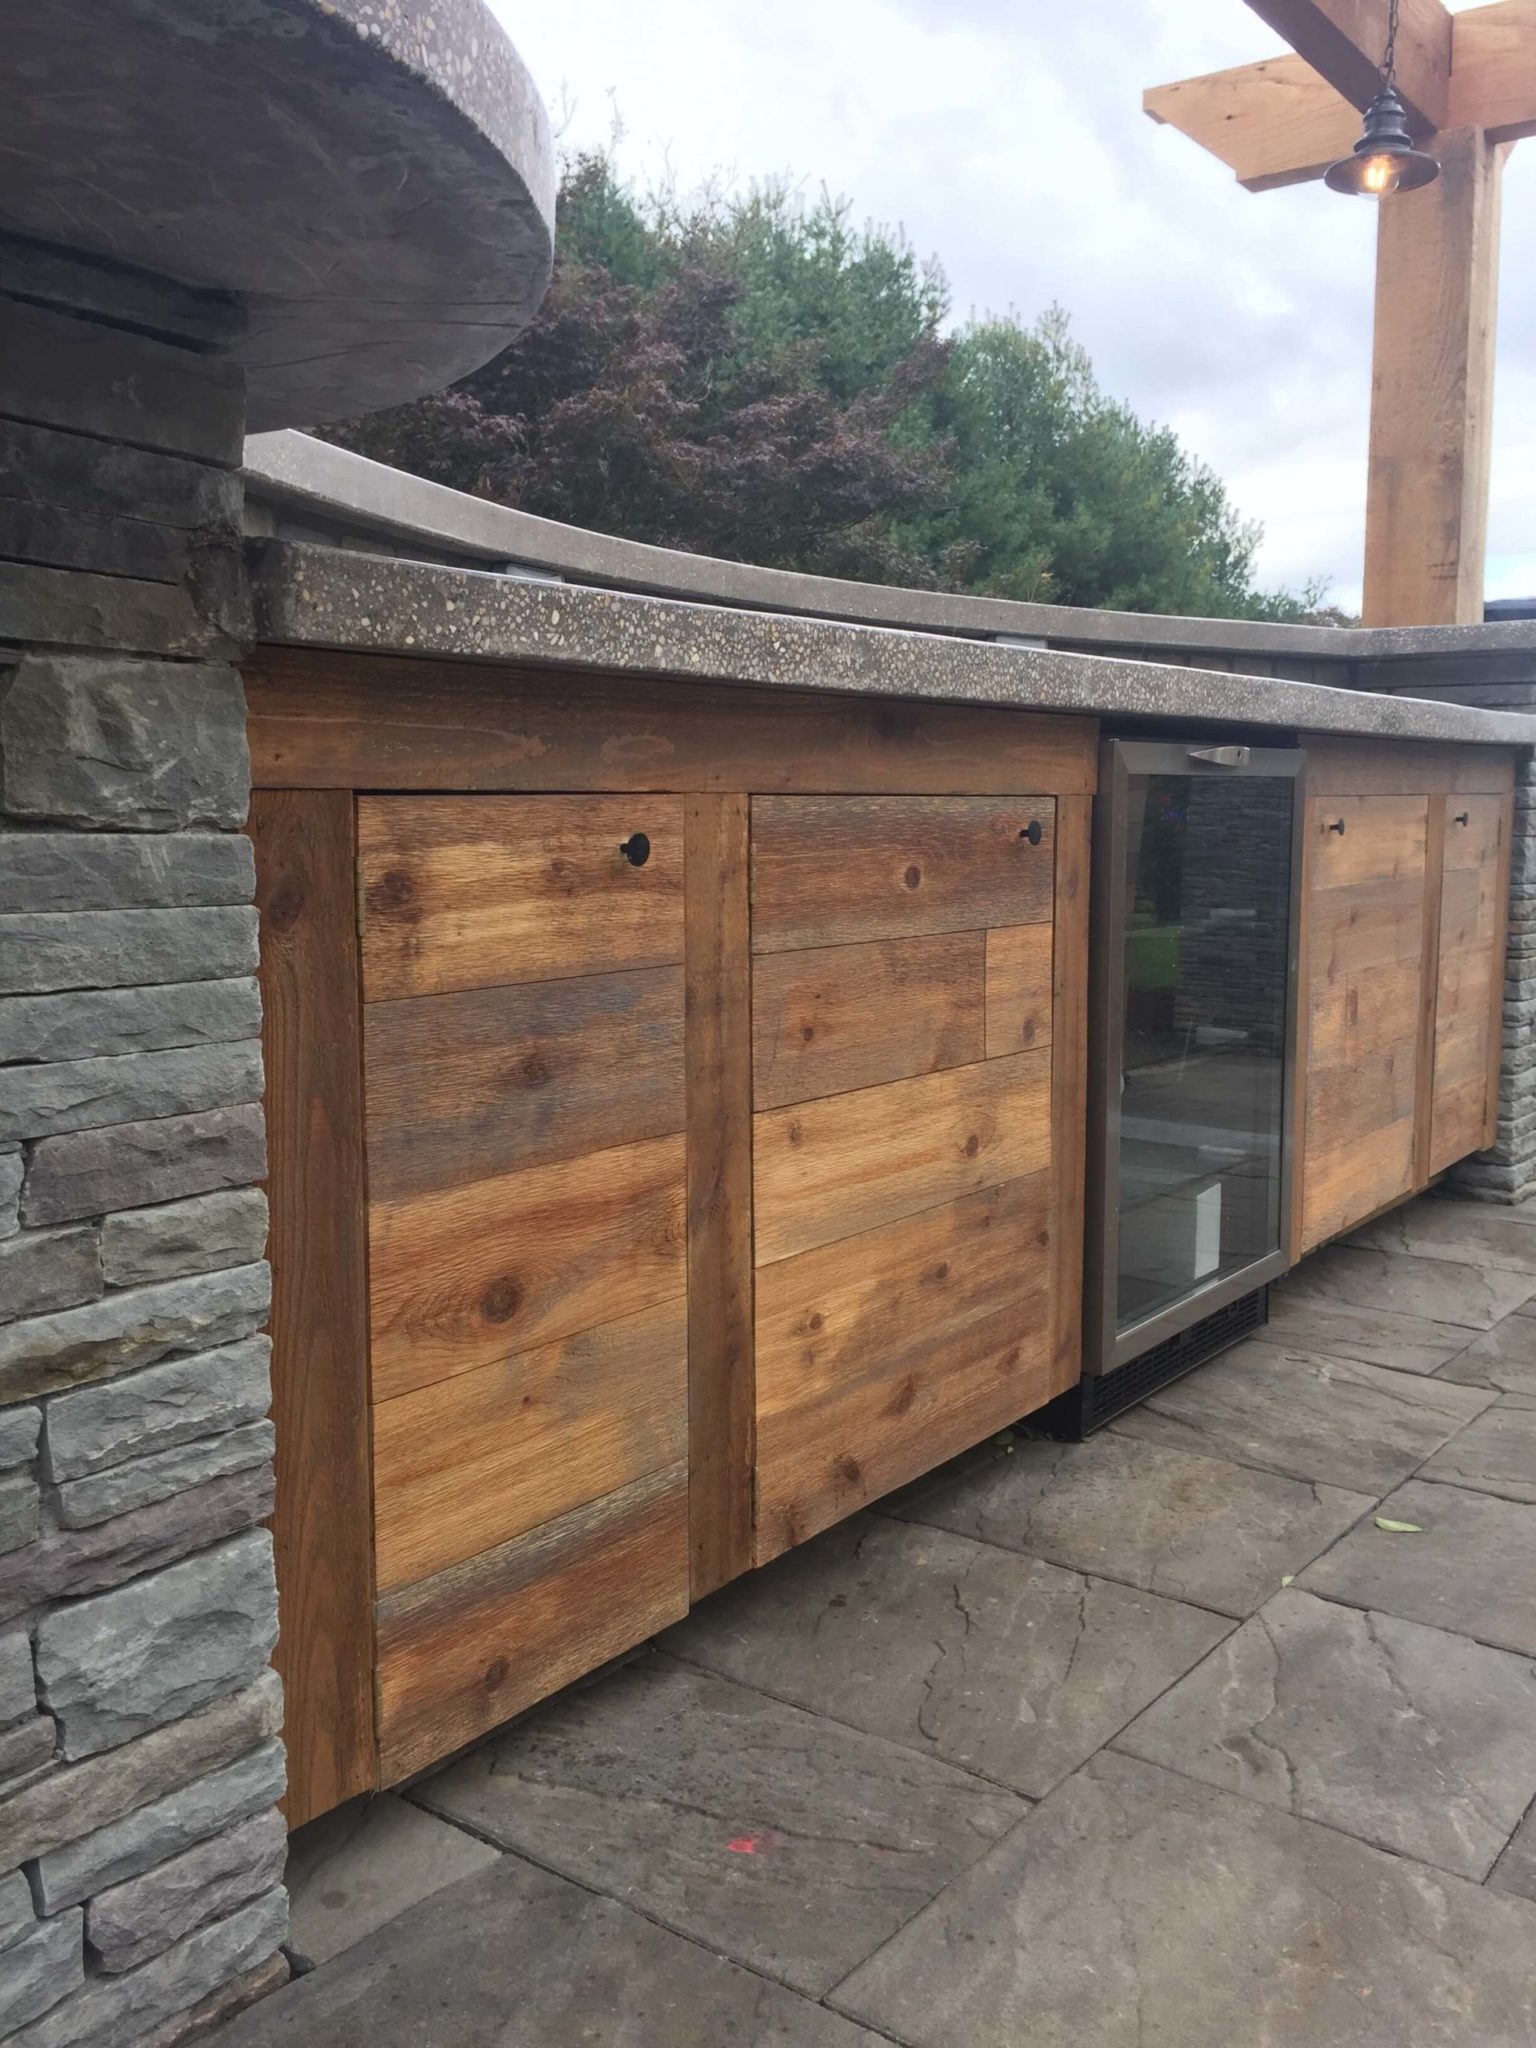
(1007, 138)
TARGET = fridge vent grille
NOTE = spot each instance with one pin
(1092, 1402)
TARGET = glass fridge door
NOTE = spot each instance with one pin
(1195, 1030)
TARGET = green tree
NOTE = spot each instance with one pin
(755, 377)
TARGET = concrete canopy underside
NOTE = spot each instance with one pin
(372, 179)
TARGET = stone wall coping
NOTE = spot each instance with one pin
(371, 499)
(333, 597)
(372, 180)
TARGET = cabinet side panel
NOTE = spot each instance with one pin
(305, 846)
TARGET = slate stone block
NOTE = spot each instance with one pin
(164, 1828)
(137, 1327)
(90, 739)
(126, 1166)
(196, 2022)
(42, 950)
(18, 1510)
(12, 1167)
(73, 1095)
(25, 1750)
(118, 2012)
(18, 1690)
(130, 1922)
(164, 1474)
(66, 372)
(80, 1799)
(113, 1665)
(46, 1270)
(91, 1023)
(78, 608)
(40, 1969)
(199, 1235)
(40, 465)
(71, 538)
(149, 1411)
(19, 1432)
(16, 1915)
(122, 298)
(78, 1561)
(124, 871)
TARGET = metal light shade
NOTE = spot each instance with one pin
(1384, 158)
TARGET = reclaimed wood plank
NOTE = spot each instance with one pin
(1429, 991)
(719, 1166)
(471, 1646)
(1020, 985)
(1373, 767)
(322, 1524)
(467, 1275)
(479, 1082)
(1382, 839)
(466, 892)
(367, 721)
(843, 1017)
(831, 871)
(1069, 1081)
(881, 1355)
(1469, 984)
(465, 1465)
(833, 1168)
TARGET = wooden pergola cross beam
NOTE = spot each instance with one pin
(1469, 83)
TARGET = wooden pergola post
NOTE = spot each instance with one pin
(1469, 84)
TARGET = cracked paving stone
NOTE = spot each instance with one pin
(1494, 1454)
(999, 1663)
(1191, 1528)
(356, 1868)
(1372, 1335)
(1293, 1411)
(1137, 1909)
(1503, 1357)
(785, 1841)
(1470, 1569)
(1441, 1290)
(1470, 1233)
(1402, 1735)
(517, 1958)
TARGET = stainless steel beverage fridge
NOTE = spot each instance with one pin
(1192, 1047)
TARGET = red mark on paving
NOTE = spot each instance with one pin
(749, 1845)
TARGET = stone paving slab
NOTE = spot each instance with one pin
(1010, 1667)
(1503, 1357)
(1375, 1336)
(1440, 1290)
(1494, 1454)
(357, 1868)
(787, 1842)
(1136, 1909)
(1191, 1528)
(1471, 1570)
(518, 1958)
(1472, 1233)
(1409, 1738)
(1515, 1870)
(1310, 1416)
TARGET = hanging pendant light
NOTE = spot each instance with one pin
(1384, 159)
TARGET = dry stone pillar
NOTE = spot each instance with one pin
(140, 1755)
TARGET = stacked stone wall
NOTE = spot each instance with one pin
(141, 1763)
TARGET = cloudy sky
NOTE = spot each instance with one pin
(1006, 137)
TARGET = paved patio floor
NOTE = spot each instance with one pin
(1217, 1729)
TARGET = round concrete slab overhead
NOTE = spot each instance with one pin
(373, 179)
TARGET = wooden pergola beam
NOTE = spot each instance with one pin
(1279, 123)
(1343, 41)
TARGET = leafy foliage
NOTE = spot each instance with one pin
(756, 378)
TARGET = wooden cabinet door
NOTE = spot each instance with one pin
(1474, 888)
(523, 1090)
(1363, 920)
(902, 953)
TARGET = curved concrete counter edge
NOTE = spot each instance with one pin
(333, 597)
(373, 180)
(331, 485)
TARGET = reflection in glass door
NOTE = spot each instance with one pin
(1194, 1031)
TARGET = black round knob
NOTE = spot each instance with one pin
(636, 849)
(1463, 817)
(1336, 826)
(1034, 832)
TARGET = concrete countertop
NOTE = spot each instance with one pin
(332, 597)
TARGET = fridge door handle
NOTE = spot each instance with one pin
(1222, 757)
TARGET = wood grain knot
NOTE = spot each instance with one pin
(501, 1300)
(392, 893)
